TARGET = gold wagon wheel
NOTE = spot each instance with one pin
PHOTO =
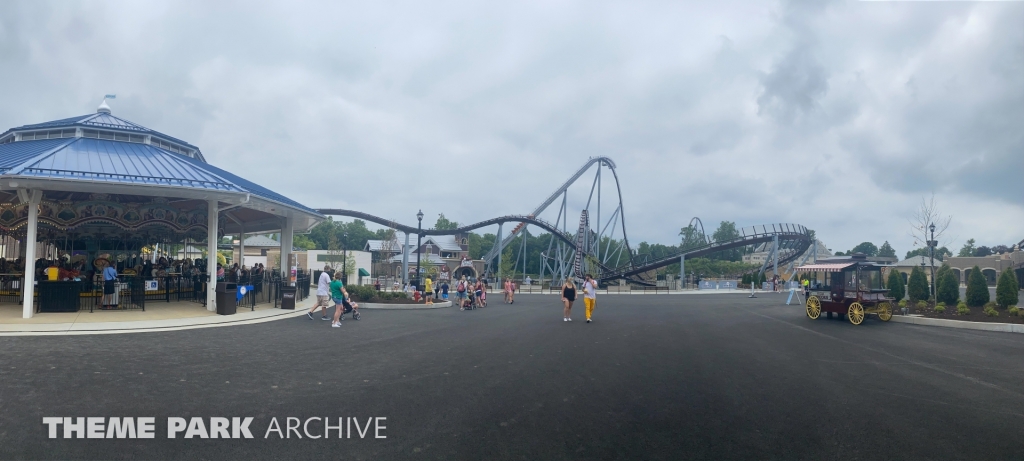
(884, 311)
(855, 313)
(813, 307)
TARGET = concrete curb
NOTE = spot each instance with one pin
(149, 326)
(962, 324)
(384, 306)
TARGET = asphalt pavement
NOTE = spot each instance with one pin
(654, 377)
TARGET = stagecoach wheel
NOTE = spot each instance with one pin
(813, 307)
(884, 311)
(855, 313)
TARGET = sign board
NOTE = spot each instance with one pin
(152, 285)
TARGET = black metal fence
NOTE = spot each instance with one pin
(132, 293)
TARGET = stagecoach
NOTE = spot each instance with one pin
(850, 286)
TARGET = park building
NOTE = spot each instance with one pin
(445, 257)
(97, 191)
(991, 266)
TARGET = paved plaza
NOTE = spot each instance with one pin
(654, 377)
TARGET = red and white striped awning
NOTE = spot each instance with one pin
(835, 267)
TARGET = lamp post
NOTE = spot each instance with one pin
(419, 235)
(931, 247)
(430, 251)
(344, 260)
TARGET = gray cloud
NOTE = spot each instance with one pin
(743, 111)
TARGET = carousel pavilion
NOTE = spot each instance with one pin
(100, 189)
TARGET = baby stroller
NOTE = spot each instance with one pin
(348, 308)
(469, 302)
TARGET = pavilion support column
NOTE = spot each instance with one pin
(29, 288)
(241, 246)
(405, 260)
(287, 238)
(212, 216)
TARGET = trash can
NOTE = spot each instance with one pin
(287, 297)
(226, 297)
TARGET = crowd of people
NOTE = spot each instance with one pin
(469, 294)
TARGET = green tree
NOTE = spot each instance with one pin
(967, 249)
(947, 289)
(691, 237)
(977, 289)
(444, 224)
(940, 253)
(868, 248)
(727, 231)
(1007, 288)
(895, 285)
(303, 241)
(917, 286)
(886, 250)
(507, 263)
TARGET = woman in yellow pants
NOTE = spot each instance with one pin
(589, 295)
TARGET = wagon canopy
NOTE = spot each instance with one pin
(834, 267)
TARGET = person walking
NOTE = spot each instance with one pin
(589, 295)
(428, 291)
(460, 293)
(481, 293)
(338, 295)
(568, 297)
(444, 290)
(109, 287)
(323, 295)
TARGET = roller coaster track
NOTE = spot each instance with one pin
(793, 238)
(605, 161)
(460, 230)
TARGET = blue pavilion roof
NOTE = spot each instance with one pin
(99, 120)
(119, 161)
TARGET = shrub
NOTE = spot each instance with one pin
(991, 312)
(947, 288)
(990, 305)
(1007, 288)
(903, 304)
(1014, 311)
(917, 286)
(921, 305)
(366, 293)
(895, 285)
(940, 308)
(962, 309)
(977, 289)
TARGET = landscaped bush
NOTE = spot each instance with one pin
(917, 286)
(1013, 311)
(366, 293)
(922, 305)
(977, 289)
(940, 307)
(895, 285)
(1007, 288)
(991, 305)
(903, 304)
(962, 309)
(991, 311)
(947, 287)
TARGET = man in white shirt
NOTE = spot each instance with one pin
(323, 295)
(589, 295)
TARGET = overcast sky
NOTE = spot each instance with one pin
(840, 116)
